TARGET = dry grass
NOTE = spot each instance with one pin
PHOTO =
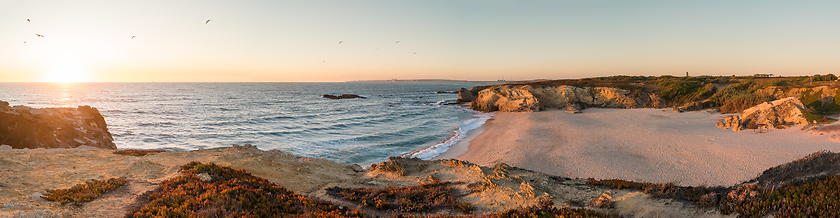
(422, 198)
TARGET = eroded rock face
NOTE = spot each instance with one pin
(526, 98)
(464, 95)
(25, 127)
(785, 111)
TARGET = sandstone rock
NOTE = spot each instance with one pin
(573, 108)
(786, 111)
(507, 99)
(357, 168)
(518, 98)
(25, 127)
(604, 200)
(464, 95)
(692, 106)
(343, 96)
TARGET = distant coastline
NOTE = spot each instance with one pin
(424, 80)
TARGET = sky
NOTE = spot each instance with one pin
(298, 40)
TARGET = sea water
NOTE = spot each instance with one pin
(396, 119)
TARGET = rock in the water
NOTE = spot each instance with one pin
(464, 95)
(25, 127)
(786, 111)
(343, 96)
(517, 98)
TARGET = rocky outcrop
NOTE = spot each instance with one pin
(526, 98)
(25, 127)
(343, 96)
(787, 111)
(464, 95)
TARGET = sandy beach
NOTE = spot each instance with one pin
(647, 145)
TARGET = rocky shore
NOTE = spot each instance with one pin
(25, 127)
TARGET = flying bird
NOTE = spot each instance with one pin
(24, 41)
(208, 21)
(339, 42)
(39, 35)
(397, 42)
(27, 20)
(132, 37)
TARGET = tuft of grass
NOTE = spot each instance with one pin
(86, 192)
(137, 152)
(422, 198)
(230, 193)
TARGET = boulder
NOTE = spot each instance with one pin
(573, 108)
(692, 106)
(464, 95)
(787, 111)
(343, 96)
(25, 127)
(530, 98)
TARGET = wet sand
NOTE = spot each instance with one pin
(648, 145)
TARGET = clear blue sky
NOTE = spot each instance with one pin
(90, 40)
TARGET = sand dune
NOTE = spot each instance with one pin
(649, 145)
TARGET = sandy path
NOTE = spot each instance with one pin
(649, 145)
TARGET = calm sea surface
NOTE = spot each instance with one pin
(398, 118)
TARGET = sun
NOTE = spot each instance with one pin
(66, 70)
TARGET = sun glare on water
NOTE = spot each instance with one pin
(66, 71)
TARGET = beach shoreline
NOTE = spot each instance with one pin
(646, 145)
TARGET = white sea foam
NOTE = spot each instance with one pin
(457, 135)
(429, 105)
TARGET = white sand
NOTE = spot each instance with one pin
(649, 145)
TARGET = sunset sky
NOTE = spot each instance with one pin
(295, 41)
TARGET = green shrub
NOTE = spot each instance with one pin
(686, 90)
(86, 192)
(817, 198)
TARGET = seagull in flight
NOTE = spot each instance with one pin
(39, 35)
(132, 37)
(339, 42)
(208, 21)
(27, 20)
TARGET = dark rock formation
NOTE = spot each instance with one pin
(464, 95)
(343, 96)
(446, 92)
(25, 127)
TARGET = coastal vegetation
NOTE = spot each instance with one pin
(785, 191)
(86, 192)
(427, 197)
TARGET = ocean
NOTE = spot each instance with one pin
(396, 119)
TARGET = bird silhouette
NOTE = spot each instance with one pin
(208, 21)
(39, 35)
(132, 37)
(27, 20)
(24, 41)
(397, 42)
(339, 42)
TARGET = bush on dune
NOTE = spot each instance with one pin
(422, 198)
(209, 190)
(86, 192)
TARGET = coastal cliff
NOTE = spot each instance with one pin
(25, 127)
(529, 98)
